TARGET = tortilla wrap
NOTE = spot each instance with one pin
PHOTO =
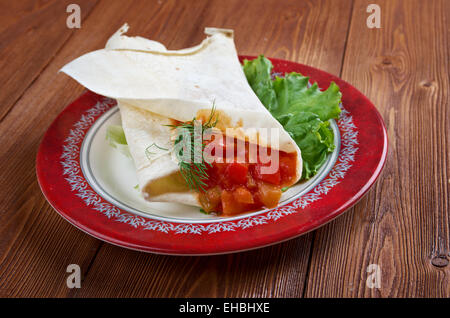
(154, 86)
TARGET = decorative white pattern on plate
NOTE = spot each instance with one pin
(71, 165)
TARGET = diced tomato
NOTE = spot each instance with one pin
(233, 188)
(211, 199)
(269, 194)
(230, 205)
(287, 168)
(242, 195)
(237, 172)
(273, 178)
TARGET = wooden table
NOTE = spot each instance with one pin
(402, 224)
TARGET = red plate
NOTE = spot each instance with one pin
(359, 161)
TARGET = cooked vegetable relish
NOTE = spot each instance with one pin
(234, 187)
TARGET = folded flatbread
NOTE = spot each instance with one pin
(155, 86)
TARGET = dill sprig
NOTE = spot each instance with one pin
(194, 170)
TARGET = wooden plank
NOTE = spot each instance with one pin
(31, 34)
(37, 246)
(13, 11)
(403, 223)
(294, 30)
(270, 272)
(35, 241)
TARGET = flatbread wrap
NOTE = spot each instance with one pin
(159, 90)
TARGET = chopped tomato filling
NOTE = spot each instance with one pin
(237, 173)
(273, 178)
(235, 187)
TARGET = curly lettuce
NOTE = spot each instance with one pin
(303, 110)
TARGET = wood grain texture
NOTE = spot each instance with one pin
(31, 33)
(13, 11)
(270, 272)
(403, 224)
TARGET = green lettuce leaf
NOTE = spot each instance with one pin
(313, 137)
(258, 76)
(294, 95)
(303, 110)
